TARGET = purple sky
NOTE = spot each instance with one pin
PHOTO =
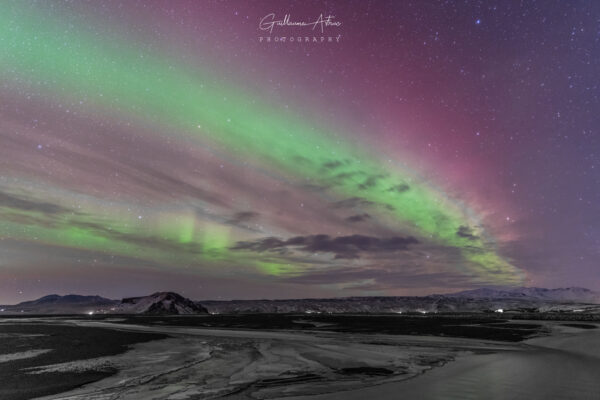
(418, 147)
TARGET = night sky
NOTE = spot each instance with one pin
(427, 147)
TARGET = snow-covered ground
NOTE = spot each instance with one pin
(562, 366)
(198, 363)
(22, 355)
(204, 363)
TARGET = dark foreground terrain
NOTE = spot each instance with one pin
(244, 356)
(65, 343)
(479, 326)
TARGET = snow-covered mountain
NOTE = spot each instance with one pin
(479, 300)
(571, 294)
(160, 303)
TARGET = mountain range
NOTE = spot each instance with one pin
(154, 304)
(574, 294)
(572, 299)
(478, 300)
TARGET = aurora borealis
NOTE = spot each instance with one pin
(160, 145)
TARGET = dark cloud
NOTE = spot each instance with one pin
(401, 188)
(243, 216)
(332, 164)
(302, 160)
(370, 181)
(23, 204)
(352, 202)
(476, 249)
(466, 232)
(342, 177)
(358, 218)
(270, 243)
(342, 246)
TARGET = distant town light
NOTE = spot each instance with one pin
(90, 313)
(499, 310)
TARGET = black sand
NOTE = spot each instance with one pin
(68, 343)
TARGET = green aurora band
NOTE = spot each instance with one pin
(111, 76)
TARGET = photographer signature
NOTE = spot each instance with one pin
(268, 22)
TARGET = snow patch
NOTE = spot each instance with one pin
(22, 355)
